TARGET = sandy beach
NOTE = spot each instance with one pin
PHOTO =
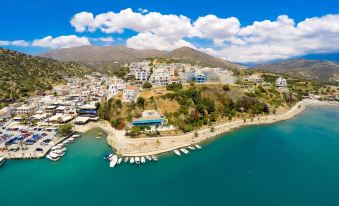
(126, 146)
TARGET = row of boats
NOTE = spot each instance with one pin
(115, 160)
(186, 151)
(59, 150)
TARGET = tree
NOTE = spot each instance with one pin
(141, 102)
(147, 85)
(65, 128)
(226, 87)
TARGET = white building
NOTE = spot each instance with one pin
(281, 82)
(160, 77)
(130, 93)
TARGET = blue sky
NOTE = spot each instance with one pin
(37, 19)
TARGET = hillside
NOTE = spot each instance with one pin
(115, 56)
(326, 71)
(22, 75)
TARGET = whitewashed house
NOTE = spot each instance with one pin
(130, 93)
(281, 82)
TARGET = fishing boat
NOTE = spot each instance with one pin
(131, 160)
(184, 150)
(2, 160)
(154, 158)
(113, 161)
(148, 158)
(143, 160)
(198, 146)
(119, 160)
(126, 159)
(137, 160)
(191, 148)
(177, 152)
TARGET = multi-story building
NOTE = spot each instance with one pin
(160, 77)
(130, 93)
(199, 77)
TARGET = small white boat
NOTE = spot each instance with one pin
(53, 158)
(191, 148)
(184, 150)
(198, 146)
(131, 160)
(119, 160)
(2, 160)
(113, 161)
(76, 136)
(177, 152)
(148, 158)
(126, 159)
(154, 158)
(137, 160)
(143, 160)
(54, 147)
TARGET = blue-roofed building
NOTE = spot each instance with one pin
(149, 118)
(199, 77)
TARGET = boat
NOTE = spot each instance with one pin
(54, 147)
(97, 137)
(99, 134)
(137, 160)
(184, 150)
(119, 160)
(154, 158)
(113, 161)
(177, 152)
(143, 160)
(76, 136)
(198, 146)
(58, 153)
(126, 159)
(53, 158)
(2, 160)
(108, 156)
(148, 158)
(191, 148)
(131, 160)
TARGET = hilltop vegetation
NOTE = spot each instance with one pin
(323, 71)
(23, 75)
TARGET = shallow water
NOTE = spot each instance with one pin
(295, 162)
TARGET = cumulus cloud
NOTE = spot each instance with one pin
(61, 42)
(4, 43)
(17, 43)
(261, 41)
(141, 10)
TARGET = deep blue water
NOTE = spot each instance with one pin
(295, 162)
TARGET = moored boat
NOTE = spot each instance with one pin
(154, 158)
(191, 148)
(131, 160)
(148, 158)
(177, 152)
(137, 160)
(184, 150)
(198, 146)
(143, 160)
(119, 160)
(126, 159)
(2, 160)
(113, 161)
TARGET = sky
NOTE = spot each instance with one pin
(241, 31)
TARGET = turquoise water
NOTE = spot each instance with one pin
(295, 162)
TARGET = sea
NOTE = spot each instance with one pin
(294, 162)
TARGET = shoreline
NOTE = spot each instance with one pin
(126, 146)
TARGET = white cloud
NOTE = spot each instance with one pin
(148, 40)
(141, 10)
(106, 39)
(20, 43)
(5, 43)
(61, 42)
(261, 41)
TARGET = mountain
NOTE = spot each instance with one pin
(117, 55)
(22, 75)
(325, 71)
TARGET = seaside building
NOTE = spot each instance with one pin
(149, 118)
(88, 110)
(130, 93)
